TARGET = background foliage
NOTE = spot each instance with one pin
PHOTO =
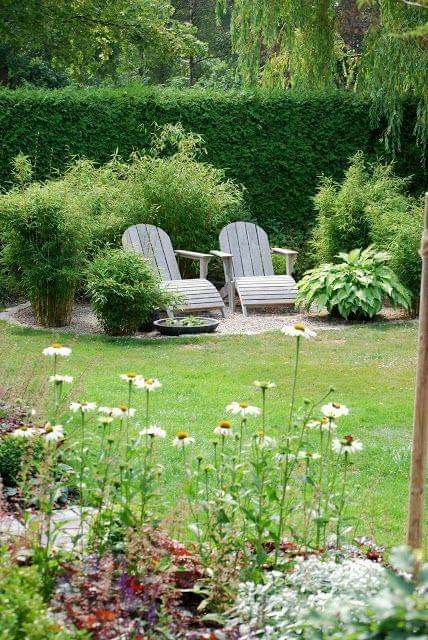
(275, 144)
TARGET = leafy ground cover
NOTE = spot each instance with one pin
(371, 367)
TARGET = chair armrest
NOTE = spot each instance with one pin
(290, 258)
(203, 258)
(221, 254)
(195, 255)
(284, 252)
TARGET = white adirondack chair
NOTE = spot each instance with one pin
(248, 268)
(156, 246)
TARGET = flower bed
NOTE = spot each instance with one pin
(258, 504)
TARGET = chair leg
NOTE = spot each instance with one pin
(223, 312)
(244, 311)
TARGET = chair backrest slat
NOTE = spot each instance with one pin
(249, 246)
(156, 246)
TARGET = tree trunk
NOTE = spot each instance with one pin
(4, 74)
(192, 11)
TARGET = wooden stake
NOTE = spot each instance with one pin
(415, 522)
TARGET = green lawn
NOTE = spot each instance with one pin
(371, 367)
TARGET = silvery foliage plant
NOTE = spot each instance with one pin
(354, 598)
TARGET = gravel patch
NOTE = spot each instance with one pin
(84, 321)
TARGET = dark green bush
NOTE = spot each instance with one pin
(355, 288)
(123, 291)
(275, 144)
(370, 206)
(13, 451)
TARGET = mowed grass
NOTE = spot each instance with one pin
(371, 367)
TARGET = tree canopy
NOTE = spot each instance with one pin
(95, 38)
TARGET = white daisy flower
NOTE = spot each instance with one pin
(182, 439)
(106, 410)
(24, 432)
(104, 420)
(53, 433)
(265, 441)
(224, 428)
(56, 349)
(308, 455)
(243, 409)
(325, 424)
(283, 457)
(58, 379)
(154, 431)
(84, 407)
(122, 410)
(264, 384)
(298, 330)
(130, 377)
(347, 444)
(334, 410)
(149, 384)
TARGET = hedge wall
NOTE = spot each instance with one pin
(276, 145)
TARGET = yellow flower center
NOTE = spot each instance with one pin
(182, 435)
(24, 428)
(299, 327)
(149, 381)
(56, 345)
(243, 405)
(48, 428)
(123, 407)
(336, 405)
(131, 375)
(325, 421)
(225, 424)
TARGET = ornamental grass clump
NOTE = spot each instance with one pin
(354, 288)
(124, 291)
(45, 238)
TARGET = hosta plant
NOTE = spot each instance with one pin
(356, 287)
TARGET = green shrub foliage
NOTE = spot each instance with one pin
(275, 144)
(23, 613)
(14, 452)
(124, 291)
(45, 237)
(370, 206)
(355, 288)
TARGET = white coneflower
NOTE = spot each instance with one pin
(53, 432)
(59, 379)
(153, 431)
(122, 410)
(56, 349)
(24, 432)
(264, 384)
(243, 409)
(105, 420)
(265, 441)
(108, 411)
(149, 384)
(224, 428)
(298, 330)
(130, 377)
(182, 439)
(325, 424)
(347, 444)
(84, 407)
(308, 455)
(334, 410)
(284, 457)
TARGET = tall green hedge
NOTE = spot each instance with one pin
(276, 145)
